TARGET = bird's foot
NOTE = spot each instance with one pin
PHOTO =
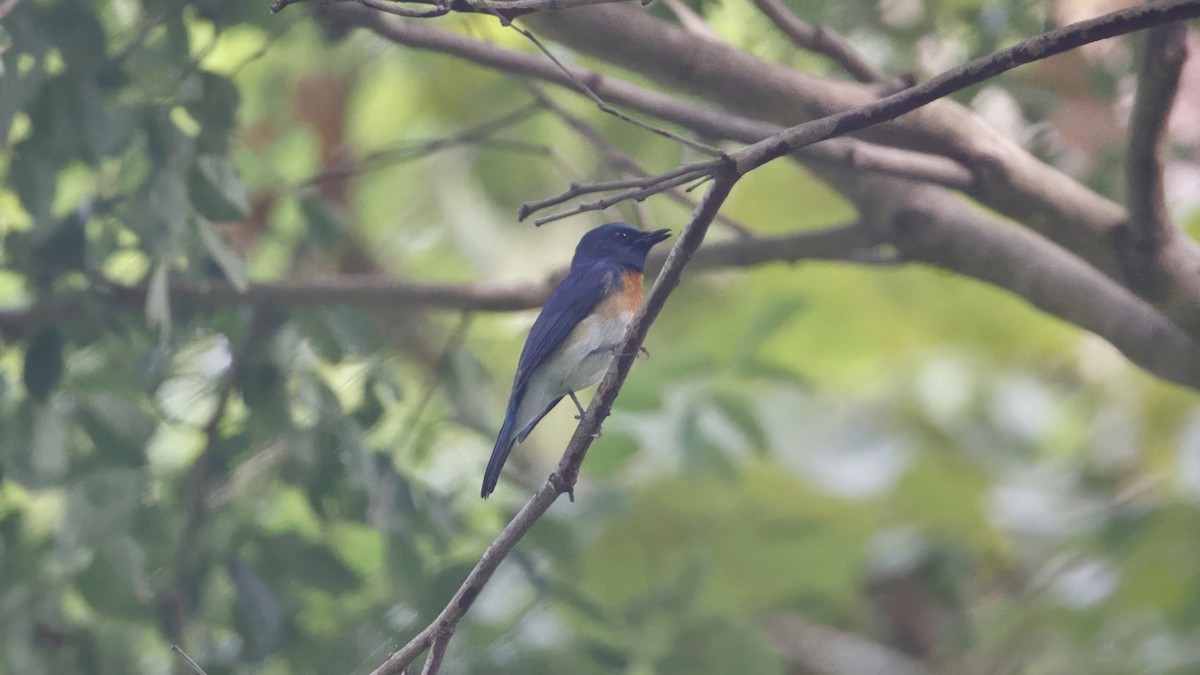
(641, 350)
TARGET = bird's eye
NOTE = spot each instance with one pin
(622, 236)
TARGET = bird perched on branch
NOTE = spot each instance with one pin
(573, 339)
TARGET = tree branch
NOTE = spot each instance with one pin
(481, 134)
(562, 481)
(820, 40)
(857, 154)
(973, 72)
(1163, 52)
(619, 158)
(375, 292)
(506, 10)
(930, 225)
(1007, 178)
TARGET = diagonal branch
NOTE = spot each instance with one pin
(1163, 52)
(562, 481)
(821, 40)
(973, 72)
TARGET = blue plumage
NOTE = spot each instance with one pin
(572, 340)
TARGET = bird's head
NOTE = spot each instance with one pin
(619, 243)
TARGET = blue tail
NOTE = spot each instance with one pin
(504, 445)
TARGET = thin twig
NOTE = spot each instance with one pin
(438, 651)
(821, 40)
(587, 91)
(480, 134)
(653, 187)
(632, 185)
(431, 387)
(1164, 51)
(620, 158)
(187, 659)
(562, 481)
(399, 9)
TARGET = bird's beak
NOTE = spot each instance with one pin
(651, 238)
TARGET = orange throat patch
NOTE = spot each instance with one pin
(627, 298)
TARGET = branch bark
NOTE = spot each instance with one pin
(670, 55)
(1163, 51)
(562, 481)
(1007, 178)
(820, 40)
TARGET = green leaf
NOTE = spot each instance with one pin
(158, 301)
(33, 175)
(108, 582)
(259, 612)
(215, 111)
(721, 645)
(308, 563)
(740, 412)
(325, 225)
(231, 264)
(261, 384)
(43, 363)
(216, 191)
(117, 425)
(78, 34)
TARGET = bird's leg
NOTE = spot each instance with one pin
(578, 406)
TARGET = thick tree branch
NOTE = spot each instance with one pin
(1164, 50)
(930, 225)
(1007, 178)
(862, 156)
(562, 481)
(382, 293)
(973, 72)
(820, 40)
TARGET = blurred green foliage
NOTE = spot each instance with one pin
(896, 453)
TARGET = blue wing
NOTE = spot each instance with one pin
(574, 299)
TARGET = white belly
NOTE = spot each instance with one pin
(580, 363)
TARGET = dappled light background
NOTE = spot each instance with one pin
(889, 452)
